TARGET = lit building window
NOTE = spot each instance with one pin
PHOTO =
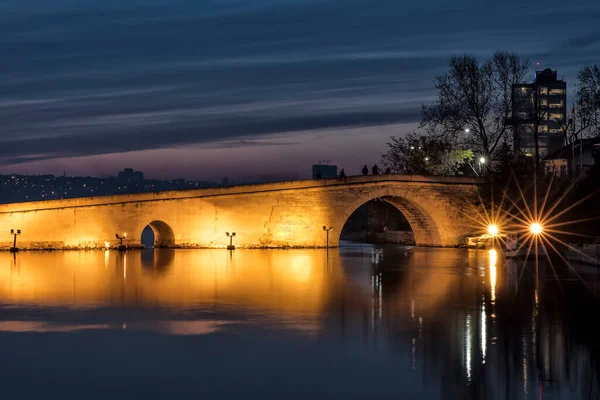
(544, 102)
(543, 90)
(543, 129)
(554, 92)
(557, 116)
(557, 104)
(528, 151)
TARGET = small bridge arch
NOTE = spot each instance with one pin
(163, 233)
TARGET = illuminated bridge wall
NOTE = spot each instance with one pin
(267, 215)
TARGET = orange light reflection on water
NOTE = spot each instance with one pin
(294, 287)
(275, 280)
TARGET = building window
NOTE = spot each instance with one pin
(557, 104)
(543, 129)
(543, 102)
(554, 92)
(543, 90)
(528, 151)
(554, 130)
(557, 116)
(523, 114)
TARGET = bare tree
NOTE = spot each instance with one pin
(588, 100)
(584, 119)
(475, 100)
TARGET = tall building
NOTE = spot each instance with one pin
(539, 106)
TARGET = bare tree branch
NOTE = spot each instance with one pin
(476, 97)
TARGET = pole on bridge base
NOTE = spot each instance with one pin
(14, 247)
(327, 230)
(121, 247)
(230, 236)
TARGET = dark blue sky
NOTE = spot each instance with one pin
(246, 88)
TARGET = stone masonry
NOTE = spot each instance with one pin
(285, 214)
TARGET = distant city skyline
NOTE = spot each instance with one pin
(247, 89)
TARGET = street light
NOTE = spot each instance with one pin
(482, 161)
(122, 247)
(14, 232)
(230, 236)
(493, 230)
(536, 228)
(467, 130)
(327, 230)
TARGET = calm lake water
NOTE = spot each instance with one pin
(355, 322)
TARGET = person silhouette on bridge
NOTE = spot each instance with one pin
(343, 175)
(365, 170)
(375, 170)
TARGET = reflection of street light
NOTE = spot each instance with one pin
(122, 247)
(14, 232)
(327, 230)
(230, 236)
(493, 272)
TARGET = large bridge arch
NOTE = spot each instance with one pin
(422, 223)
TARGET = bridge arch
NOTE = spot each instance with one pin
(422, 223)
(163, 233)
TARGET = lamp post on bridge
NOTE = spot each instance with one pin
(14, 232)
(230, 236)
(122, 247)
(327, 230)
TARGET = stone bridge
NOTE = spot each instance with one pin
(284, 214)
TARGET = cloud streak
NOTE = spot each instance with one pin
(80, 79)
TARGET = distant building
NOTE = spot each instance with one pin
(225, 182)
(326, 171)
(128, 174)
(574, 158)
(539, 106)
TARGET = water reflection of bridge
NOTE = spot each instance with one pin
(448, 314)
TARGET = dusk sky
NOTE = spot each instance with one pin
(249, 89)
